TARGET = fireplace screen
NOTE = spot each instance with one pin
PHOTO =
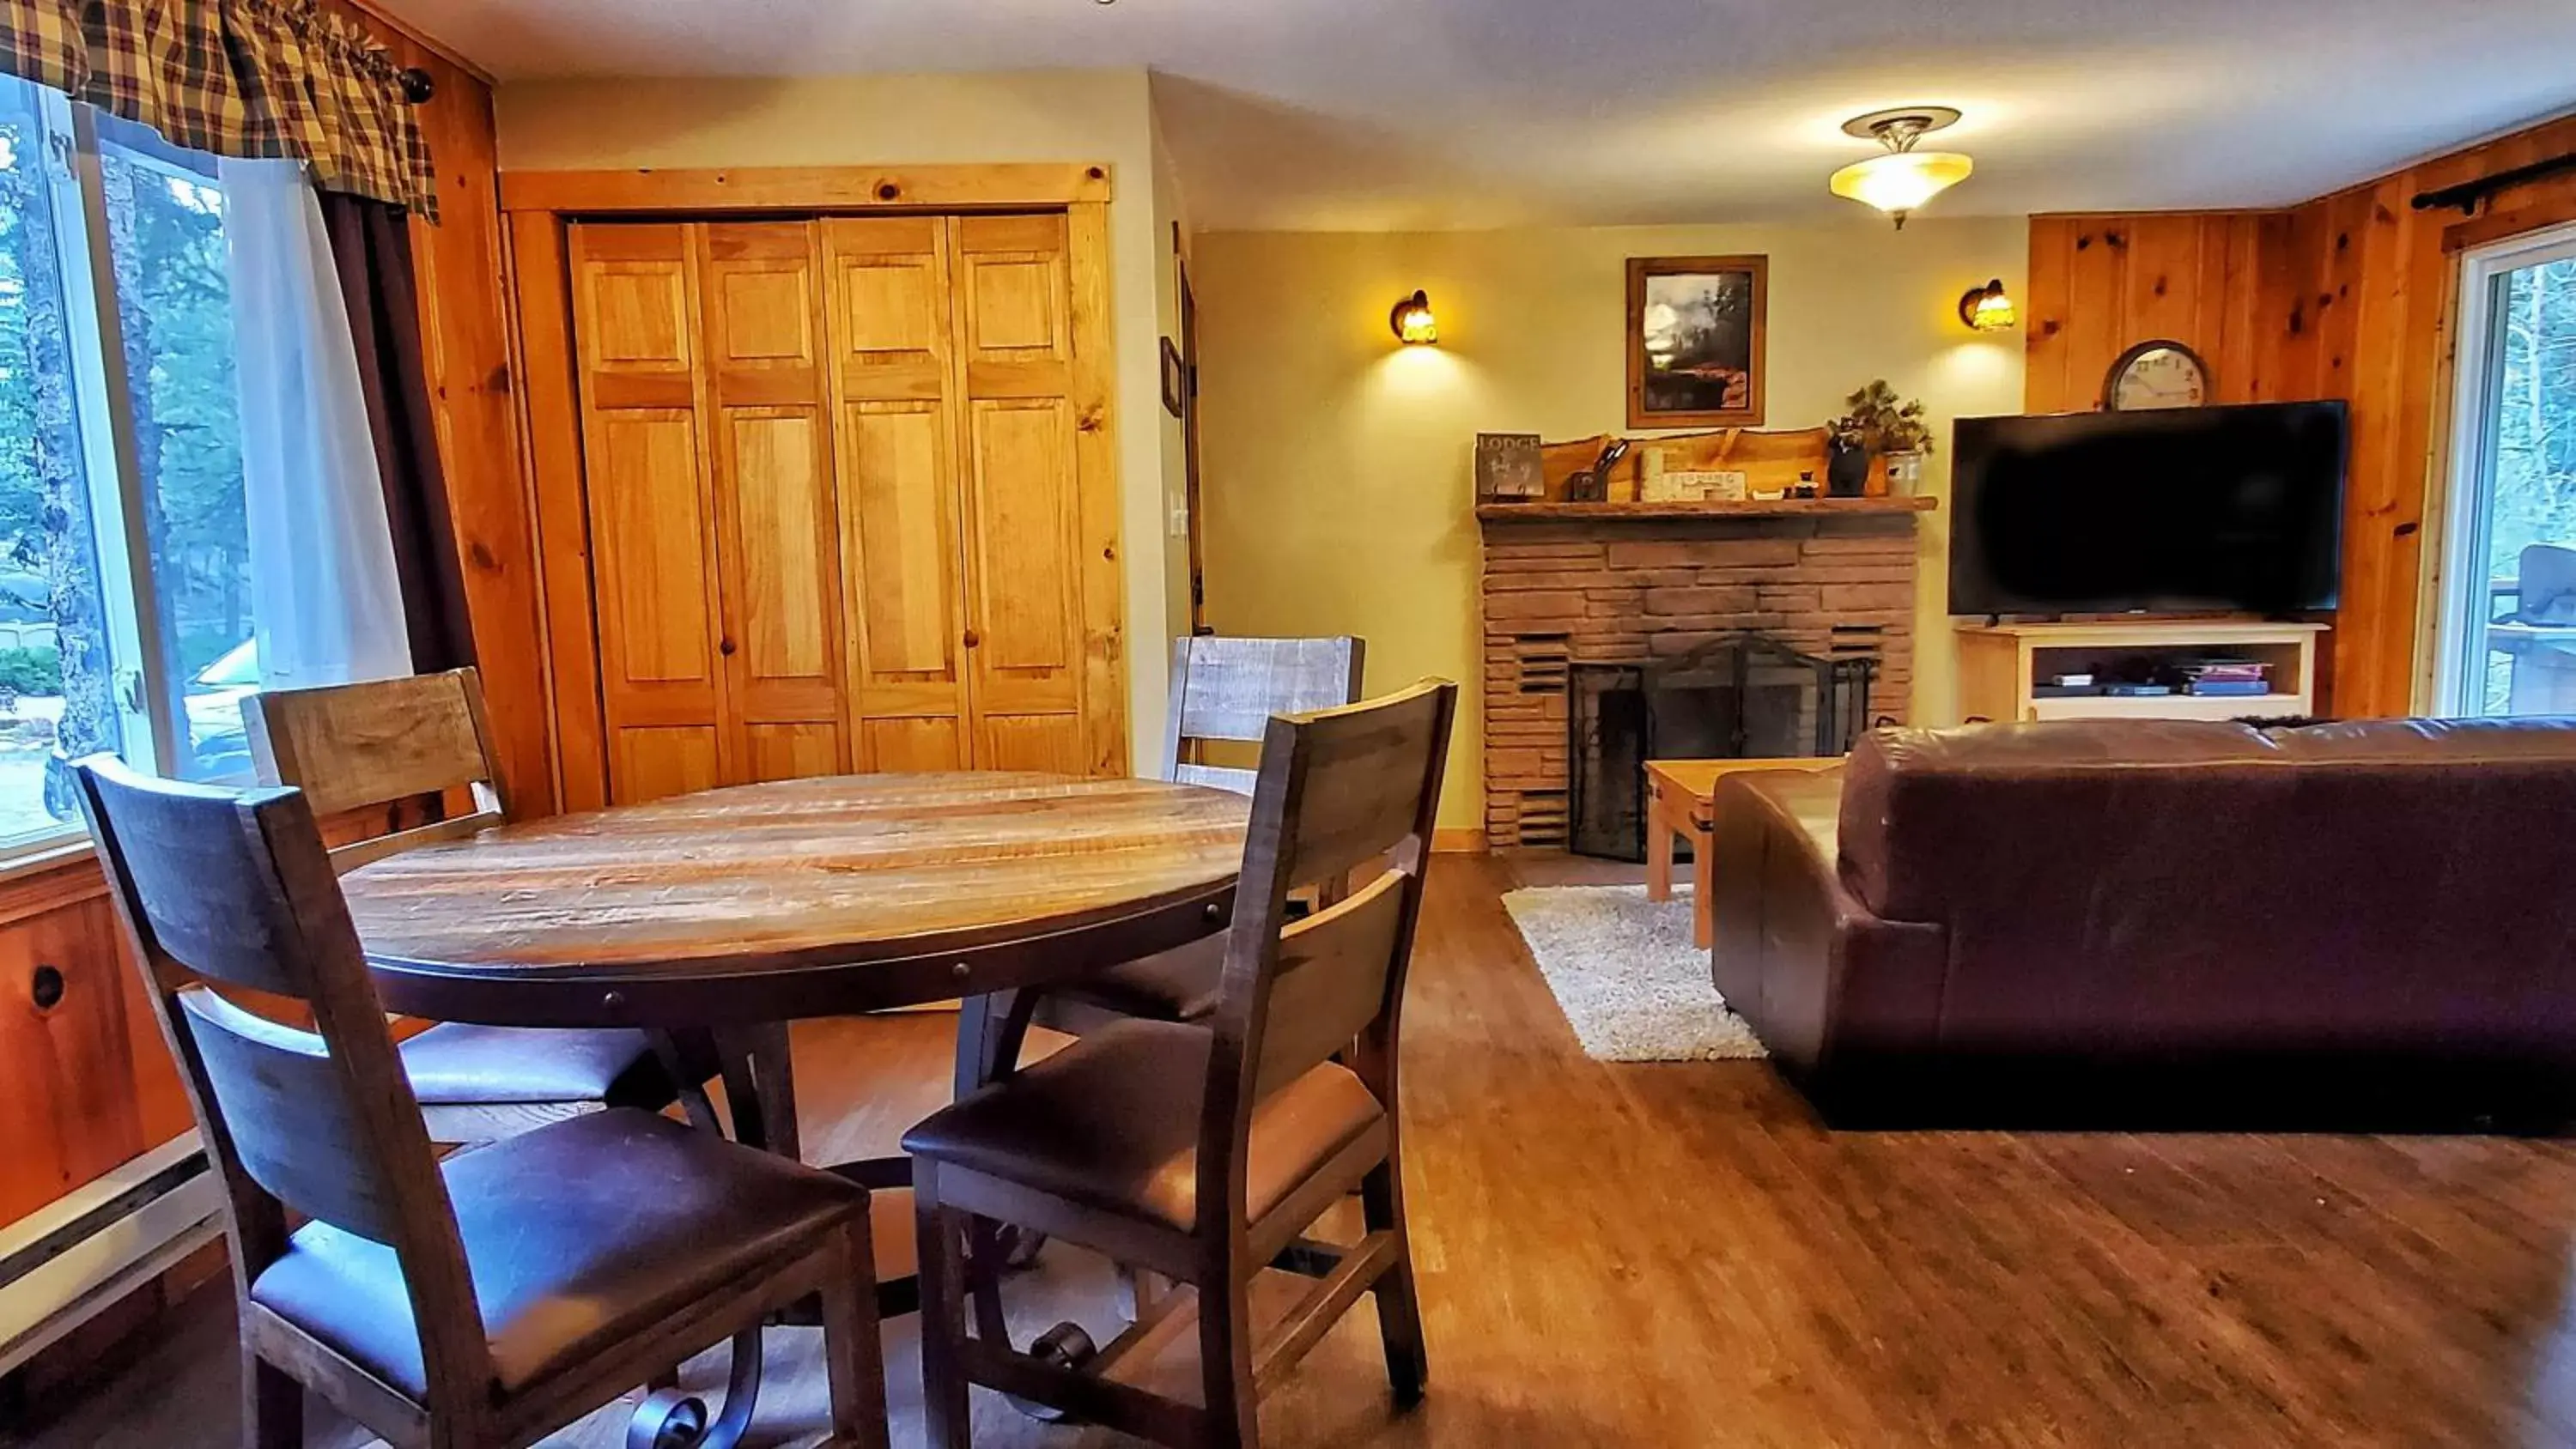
(1744, 697)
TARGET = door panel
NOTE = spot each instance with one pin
(912, 744)
(655, 761)
(794, 751)
(1022, 515)
(651, 507)
(904, 508)
(646, 491)
(894, 382)
(1022, 504)
(766, 383)
(781, 497)
(1049, 742)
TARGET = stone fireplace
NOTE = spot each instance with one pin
(1573, 585)
(1745, 696)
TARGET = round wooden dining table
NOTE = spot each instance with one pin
(713, 919)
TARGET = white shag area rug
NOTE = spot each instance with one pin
(1625, 973)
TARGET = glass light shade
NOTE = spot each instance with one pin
(1413, 323)
(1989, 309)
(1902, 180)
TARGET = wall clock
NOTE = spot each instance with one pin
(2158, 374)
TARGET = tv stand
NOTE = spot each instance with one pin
(2000, 665)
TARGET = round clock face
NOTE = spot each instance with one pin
(2157, 375)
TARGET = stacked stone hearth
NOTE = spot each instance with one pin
(1626, 591)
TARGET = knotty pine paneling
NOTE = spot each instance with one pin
(2101, 283)
(464, 334)
(2345, 296)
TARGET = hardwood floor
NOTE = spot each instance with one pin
(1679, 1255)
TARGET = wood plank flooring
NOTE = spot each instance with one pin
(1653, 1255)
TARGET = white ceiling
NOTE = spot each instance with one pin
(1366, 114)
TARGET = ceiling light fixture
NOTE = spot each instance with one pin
(1989, 308)
(1413, 323)
(1904, 178)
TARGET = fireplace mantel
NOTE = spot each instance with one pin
(1733, 508)
(1631, 583)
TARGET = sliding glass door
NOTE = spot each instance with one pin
(2507, 641)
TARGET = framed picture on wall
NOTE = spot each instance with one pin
(1695, 341)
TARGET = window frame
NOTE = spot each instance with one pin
(71, 149)
(2459, 650)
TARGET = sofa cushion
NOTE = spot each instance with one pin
(1922, 795)
(2159, 887)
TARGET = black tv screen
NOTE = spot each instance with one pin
(2172, 510)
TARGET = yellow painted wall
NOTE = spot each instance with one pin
(1071, 115)
(1337, 478)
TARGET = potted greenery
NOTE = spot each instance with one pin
(1891, 435)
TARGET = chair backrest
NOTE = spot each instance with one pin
(222, 889)
(351, 746)
(2548, 578)
(1338, 789)
(1228, 688)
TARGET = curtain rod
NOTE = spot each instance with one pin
(2468, 194)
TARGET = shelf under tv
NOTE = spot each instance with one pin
(2000, 664)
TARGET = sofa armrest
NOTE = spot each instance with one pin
(1827, 985)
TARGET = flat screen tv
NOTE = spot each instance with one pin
(2169, 511)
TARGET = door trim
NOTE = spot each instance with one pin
(2466, 454)
(536, 208)
(995, 186)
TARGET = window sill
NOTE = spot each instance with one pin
(48, 873)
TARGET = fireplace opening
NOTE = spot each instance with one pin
(1747, 696)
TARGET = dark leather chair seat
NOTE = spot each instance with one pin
(456, 1064)
(1113, 1122)
(576, 1234)
(1177, 985)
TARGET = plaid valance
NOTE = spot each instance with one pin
(263, 78)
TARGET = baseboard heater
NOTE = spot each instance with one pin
(64, 1263)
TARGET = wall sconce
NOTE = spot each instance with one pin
(1413, 323)
(1989, 308)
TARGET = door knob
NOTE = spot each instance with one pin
(974, 639)
(725, 648)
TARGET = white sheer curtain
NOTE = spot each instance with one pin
(325, 600)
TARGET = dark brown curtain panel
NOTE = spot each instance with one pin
(371, 246)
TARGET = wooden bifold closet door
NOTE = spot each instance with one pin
(831, 476)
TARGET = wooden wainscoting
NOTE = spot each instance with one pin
(2347, 296)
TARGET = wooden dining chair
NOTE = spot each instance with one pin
(386, 745)
(483, 1302)
(1224, 690)
(1205, 1151)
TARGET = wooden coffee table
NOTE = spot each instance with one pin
(1678, 796)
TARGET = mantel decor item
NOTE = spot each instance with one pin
(1696, 333)
(1891, 435)
(1508, 469)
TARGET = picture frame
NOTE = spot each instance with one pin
(1695, 341)
(1176, 381)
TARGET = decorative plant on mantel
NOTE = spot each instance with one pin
(1878, 422)
(1880, 442)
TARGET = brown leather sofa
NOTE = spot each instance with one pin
(2370, 923)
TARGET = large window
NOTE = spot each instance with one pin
(125, 599)
(2508, 632)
